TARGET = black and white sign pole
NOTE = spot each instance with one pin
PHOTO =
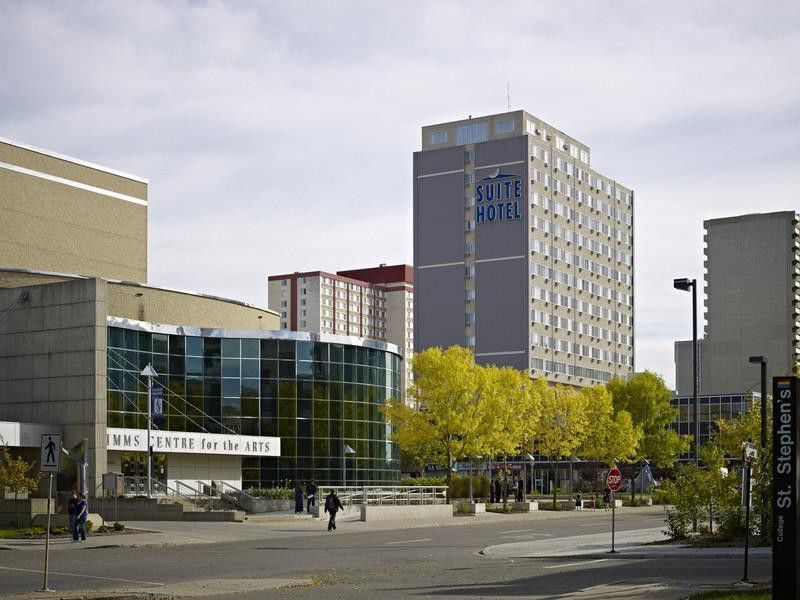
(749, 454)
(49, 463)
(149, 372)
(786, 479)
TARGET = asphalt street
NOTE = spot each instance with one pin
(474, 558)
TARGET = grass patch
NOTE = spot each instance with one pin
(10, 533)
(759, 594)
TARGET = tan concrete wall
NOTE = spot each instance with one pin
(53, 363)
(178, 308)
(49, 226)
(59, 167)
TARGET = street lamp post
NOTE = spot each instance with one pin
(531, 458)
(347, 450)
(685, 284)
(762, 360)
(149, 372)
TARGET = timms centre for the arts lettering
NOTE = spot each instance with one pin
(183, 442)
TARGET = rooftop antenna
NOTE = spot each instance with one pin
(508, 95)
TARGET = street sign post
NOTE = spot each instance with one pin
(613, 481)
(49, 463)
(785, 482)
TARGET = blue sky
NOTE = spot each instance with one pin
(279, 136)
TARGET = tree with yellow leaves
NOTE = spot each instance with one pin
(448, 416)
(562, 427)
(609, 437)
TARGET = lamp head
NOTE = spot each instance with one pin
(758, 359)
(683, 283)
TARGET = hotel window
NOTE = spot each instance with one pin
(504, 126)
(284, 282)
(284, 304)
(470, 248)
(469, 155)
(469, 271)
(438, 137)
(531, 127)
(469, 225)
(472, 133)
(469, 318)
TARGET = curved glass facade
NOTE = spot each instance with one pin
(316, 392)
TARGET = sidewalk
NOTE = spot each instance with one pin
(286, 524)
(631, 544)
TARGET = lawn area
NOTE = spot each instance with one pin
(7, 533)
(759, 594)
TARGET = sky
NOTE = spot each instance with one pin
(278, 136)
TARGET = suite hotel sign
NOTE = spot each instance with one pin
(184, 442)
(497, 198)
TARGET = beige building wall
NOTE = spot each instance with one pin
(752, 303)
(53, 363)
(64, 215)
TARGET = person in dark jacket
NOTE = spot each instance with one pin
(332, 506)
(81, 514)
(311, 495)
(72, 509)
(298, 498)
(498, 496)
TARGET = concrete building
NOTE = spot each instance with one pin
(69, 216)
(244, 403)
(375, 303)
(522, 251)
(752, 304)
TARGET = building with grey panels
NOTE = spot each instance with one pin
(752, 304)
(522, 252)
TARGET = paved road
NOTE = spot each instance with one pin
(370, 560)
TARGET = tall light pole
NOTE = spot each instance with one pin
(149, 372)
(685, 285)
(347, 450)
(763, 361)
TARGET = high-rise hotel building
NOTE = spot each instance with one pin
(522, 252)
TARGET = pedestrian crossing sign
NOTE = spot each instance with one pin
(51, 453)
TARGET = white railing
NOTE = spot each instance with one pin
(378, 494)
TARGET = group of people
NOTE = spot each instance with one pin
(332, 502)
(515, 490)
(78, 509)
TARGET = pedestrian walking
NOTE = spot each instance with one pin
(497, 494)
(311, 495)
(332, 506)
(298, 498)
(594, 501)
(520, 490)
(72, 510)
(606, 498)
(81, 514)
(578, 501)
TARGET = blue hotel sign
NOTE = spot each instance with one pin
(497, 198)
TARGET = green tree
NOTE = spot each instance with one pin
(609, 437)
(18, 475)
(646, 397)
(446, 416)
(562, 426)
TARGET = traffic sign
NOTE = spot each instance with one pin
(51, 453)
(614, 479)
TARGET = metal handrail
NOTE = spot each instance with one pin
(390, 494)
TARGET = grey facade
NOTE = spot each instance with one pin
(751, 305)
(522, 252)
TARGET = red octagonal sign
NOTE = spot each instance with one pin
(614, 479)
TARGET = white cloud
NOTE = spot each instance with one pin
(278, 136)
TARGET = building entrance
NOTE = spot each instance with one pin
(134, 468)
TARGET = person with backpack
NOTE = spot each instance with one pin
(332, 506)
(72, 509)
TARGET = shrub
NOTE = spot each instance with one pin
(119, 527)
(103, 529)
(273, 493)
(424, 481)
(731, 523)
(678, 524)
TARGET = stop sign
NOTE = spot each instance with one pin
(614, 479)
